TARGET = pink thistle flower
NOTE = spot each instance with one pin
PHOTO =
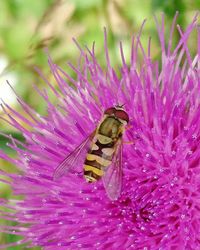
(159, 206)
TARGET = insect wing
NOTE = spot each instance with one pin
(112, 179)
(74, 159)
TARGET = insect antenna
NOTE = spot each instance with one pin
(120, 106)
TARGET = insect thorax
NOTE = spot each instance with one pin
(110, 127)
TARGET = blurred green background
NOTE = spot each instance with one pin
(28, 26)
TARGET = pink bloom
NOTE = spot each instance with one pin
(159, 206)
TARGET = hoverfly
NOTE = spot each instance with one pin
(102, 151)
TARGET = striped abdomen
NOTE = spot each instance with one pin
(98, 158)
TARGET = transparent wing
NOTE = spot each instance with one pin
(74, 159)
(112, 179)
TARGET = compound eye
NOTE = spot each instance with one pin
(122, 115)
(110, 111)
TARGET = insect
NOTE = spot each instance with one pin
(102, 151)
